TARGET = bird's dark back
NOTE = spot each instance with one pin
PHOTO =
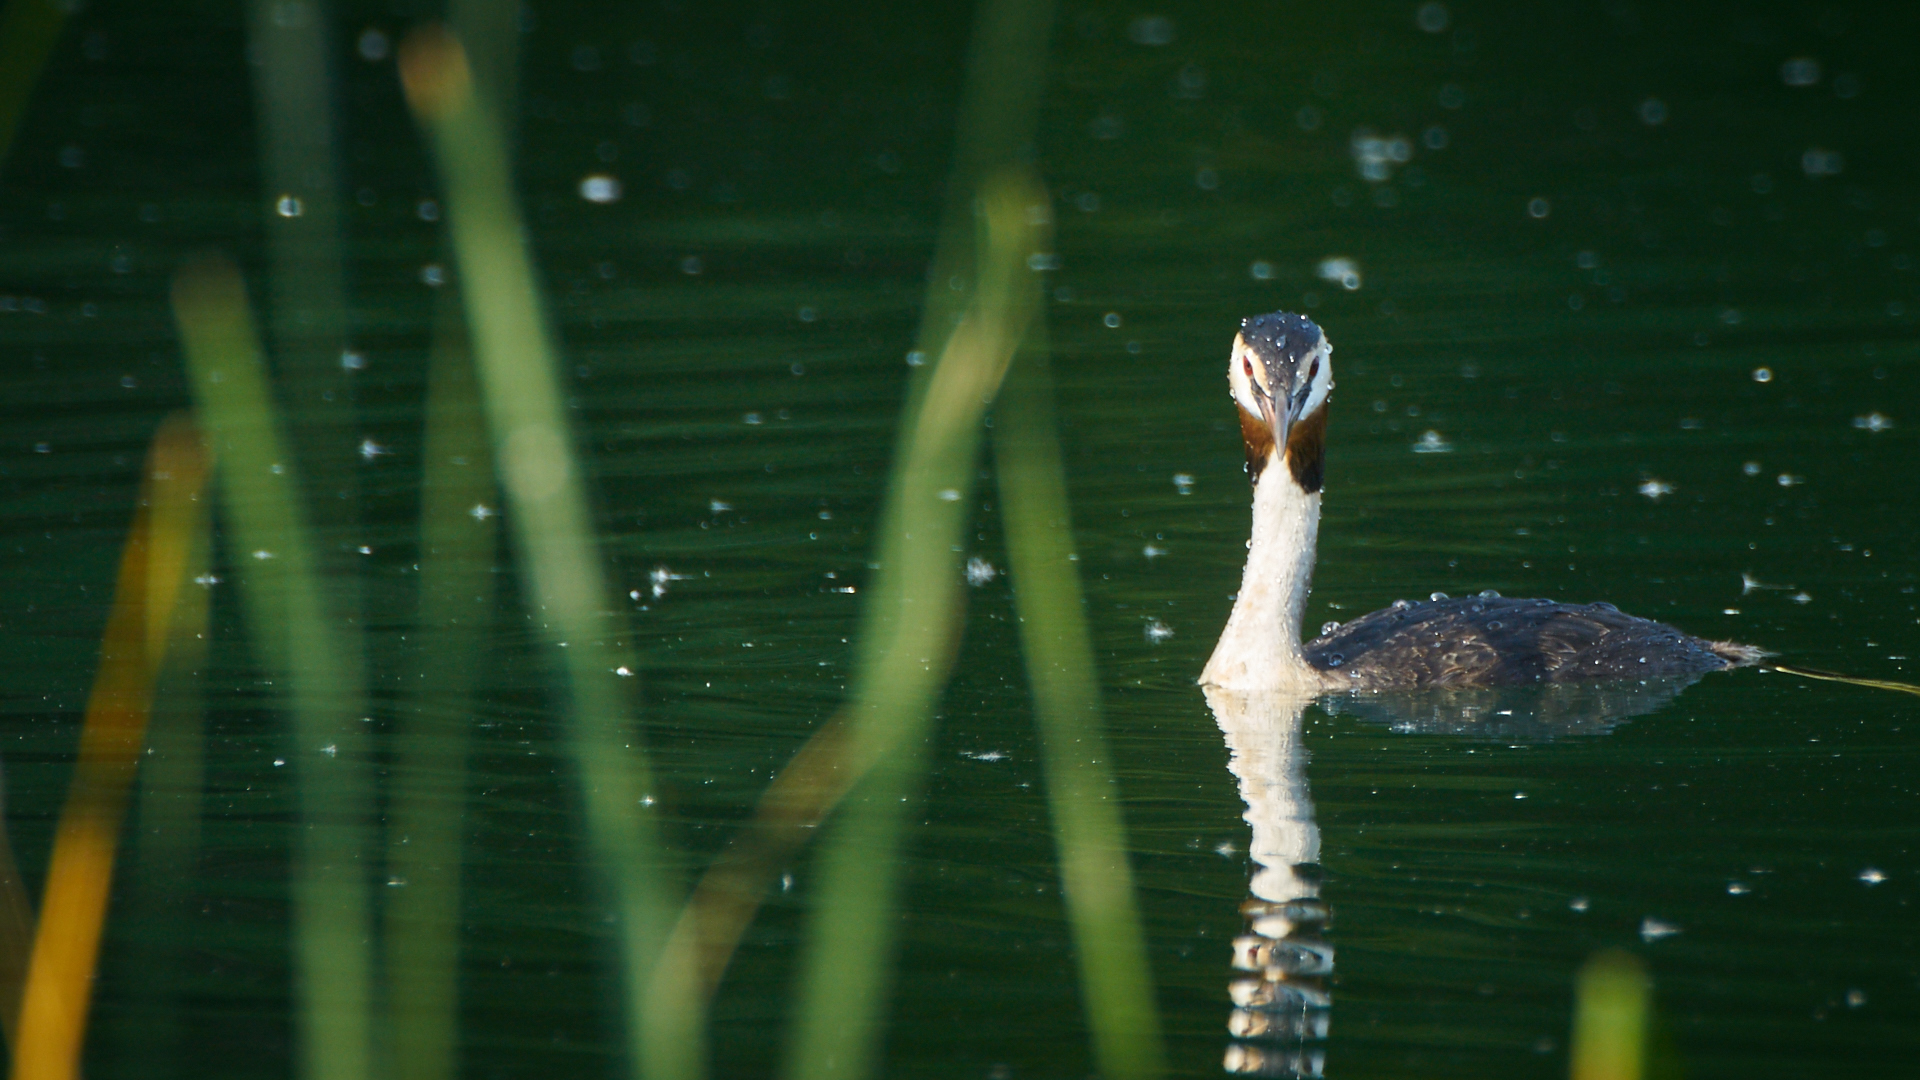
(1491, 641)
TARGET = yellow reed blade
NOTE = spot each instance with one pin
(53, 1014)
(1829, 676)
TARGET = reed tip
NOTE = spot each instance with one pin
(433, 70)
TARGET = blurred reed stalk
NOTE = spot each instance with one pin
(489, 32)
(165, 859)
(427, 803)
(909, 625)
(153, 567)
(303, 642)
(909, 633)
(29, 29)
(547, 506)
(1116, 981)
(289, 44)
(1612, 1002)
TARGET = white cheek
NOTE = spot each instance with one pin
(1322, 380)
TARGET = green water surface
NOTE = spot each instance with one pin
(1651, 305)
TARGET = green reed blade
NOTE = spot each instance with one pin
(489, 31)
(1116, 981)
(305, 301)
(427, 803)
(1610, 1019)
(547, 505)
(908, 634)
(29, 29)
(301, 640)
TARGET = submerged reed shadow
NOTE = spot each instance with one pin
(302, 640)
(427, 800)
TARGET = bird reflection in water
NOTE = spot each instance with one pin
(1283, 963)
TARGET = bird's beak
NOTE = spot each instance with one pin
(1279, 410)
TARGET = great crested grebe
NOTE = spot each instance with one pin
(1281, 372)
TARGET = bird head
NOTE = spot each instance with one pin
(1281, 372)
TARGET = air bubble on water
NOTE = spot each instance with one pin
(600, 188)
(1158, 631)
(1819, 161)
(1655, 489)
(1151, 30)
(1800, 71)
(980, 571)
(1652, 929)
(1376, 156)
(1183, 483)
(1152, 552)
(1261, 270)
(373, 45)
(433, 274)
(1432, 17)
(1111, 320)
(427, 210)
(1538, 207)
(1432, 442)
(1763, 374)
(1871, 876)
(1340, 270)
(1873, 421)
(289, 206)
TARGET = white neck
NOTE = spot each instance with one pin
(1260, 648)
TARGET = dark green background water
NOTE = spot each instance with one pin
(798, 152)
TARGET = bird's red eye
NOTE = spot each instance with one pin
(1248, 365)
(1314, 371)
